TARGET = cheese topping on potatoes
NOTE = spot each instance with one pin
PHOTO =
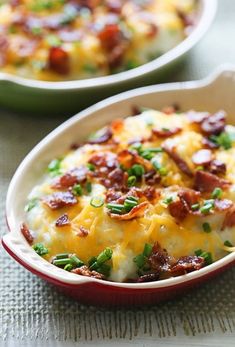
(145, 198)
(57, 40)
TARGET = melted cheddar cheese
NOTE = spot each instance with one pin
(157, 223)
(57, 40)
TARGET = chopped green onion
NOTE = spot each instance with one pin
(53, 41)
(217, 193)
(208, 205)
(92, 260)
(165, 129)
(206, 227)
(98, 263)
(91, 167)
(129, 204)
(31, 204)
(168, 200)
(54, 167)
(115, 208)
(137, 170)
(62, 255)
(104, 269)
(77, 189)
(195, 207)
(227, 243)
(131, 181)
(140, 260)
(137, 146)
(61, 262)
(206, 255)
(158, 167)
(88, 187)
(68, 267)
(97, 201)
(104, 256)
(147, 250)
(40, 249)
(224, 140)
(74, 260)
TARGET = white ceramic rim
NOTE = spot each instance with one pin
(209, 8)
(20, 248)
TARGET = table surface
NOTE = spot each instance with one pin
(34, 313)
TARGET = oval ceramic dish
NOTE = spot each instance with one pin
(211, 94)
(67, 97)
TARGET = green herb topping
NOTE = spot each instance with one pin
(40, 249)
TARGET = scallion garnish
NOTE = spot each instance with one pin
(74, 260)
(129, 203)
(168, 200)
(89, 187)
(54, 167)
(115, 208)
(68, 267)
(217, 193)
(224, 140)
(206, 227)
(61, 262)
(77, 189)
(147, 250)
(195, 207)
(208, 205)
(158, 167)
(136, 170)
(142, 258)
(131, 181)
(227, 243)
(31, 204)
(97, 201)
(40, 249)
(206, 255)
(62, 256)
(91, 167)
(99, 263)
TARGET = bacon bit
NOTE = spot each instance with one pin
(59, 60)
(62, 221)
(170, 109)
(26, 233)
(117, 125)
(189, 196)
(223, 205)
(85, 271)
(153, 30)
(202, 157)
(112, 195)
(209, 144)
(115, 57)
(159, 259)
(187, 264)
(82, 232)
(60, 199)
(107, 160)
(105, 137)
(197, 117)
(152, 177)
(214, 124)
(110, 36)
(217, 167)
(151, 277)
(136, 212)
(116, 179)
(178, 209)
(229, 220)
(166, 133)
(182, 165)
(74, 176)
(150, 193)
(206, 182)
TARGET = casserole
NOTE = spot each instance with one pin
(197, 95)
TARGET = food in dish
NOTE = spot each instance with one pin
(57, 40)
(146, 198)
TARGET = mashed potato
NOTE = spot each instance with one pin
(146, 198)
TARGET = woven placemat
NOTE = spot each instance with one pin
(34, 313)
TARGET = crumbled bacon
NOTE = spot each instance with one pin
(209, 144)
(116, 179)
(128, 158)
(152, 177)
(82, 232)
(159, 260)
(136, 212)
(229, 220)
(106, 159)
(206, 182)
(178, 209)
(181, 163)
(166, 133)
(150, 193)
(217, 167)
(117, 125)
(202, 157)
(59, 60)
(59, 199)
(105, 137)
(62, 221)
(26, 233)
(189, 196)
(112, 195)
(85, 271)
(72, 177)
(214, 124)
(187, 264)
(150, 277)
